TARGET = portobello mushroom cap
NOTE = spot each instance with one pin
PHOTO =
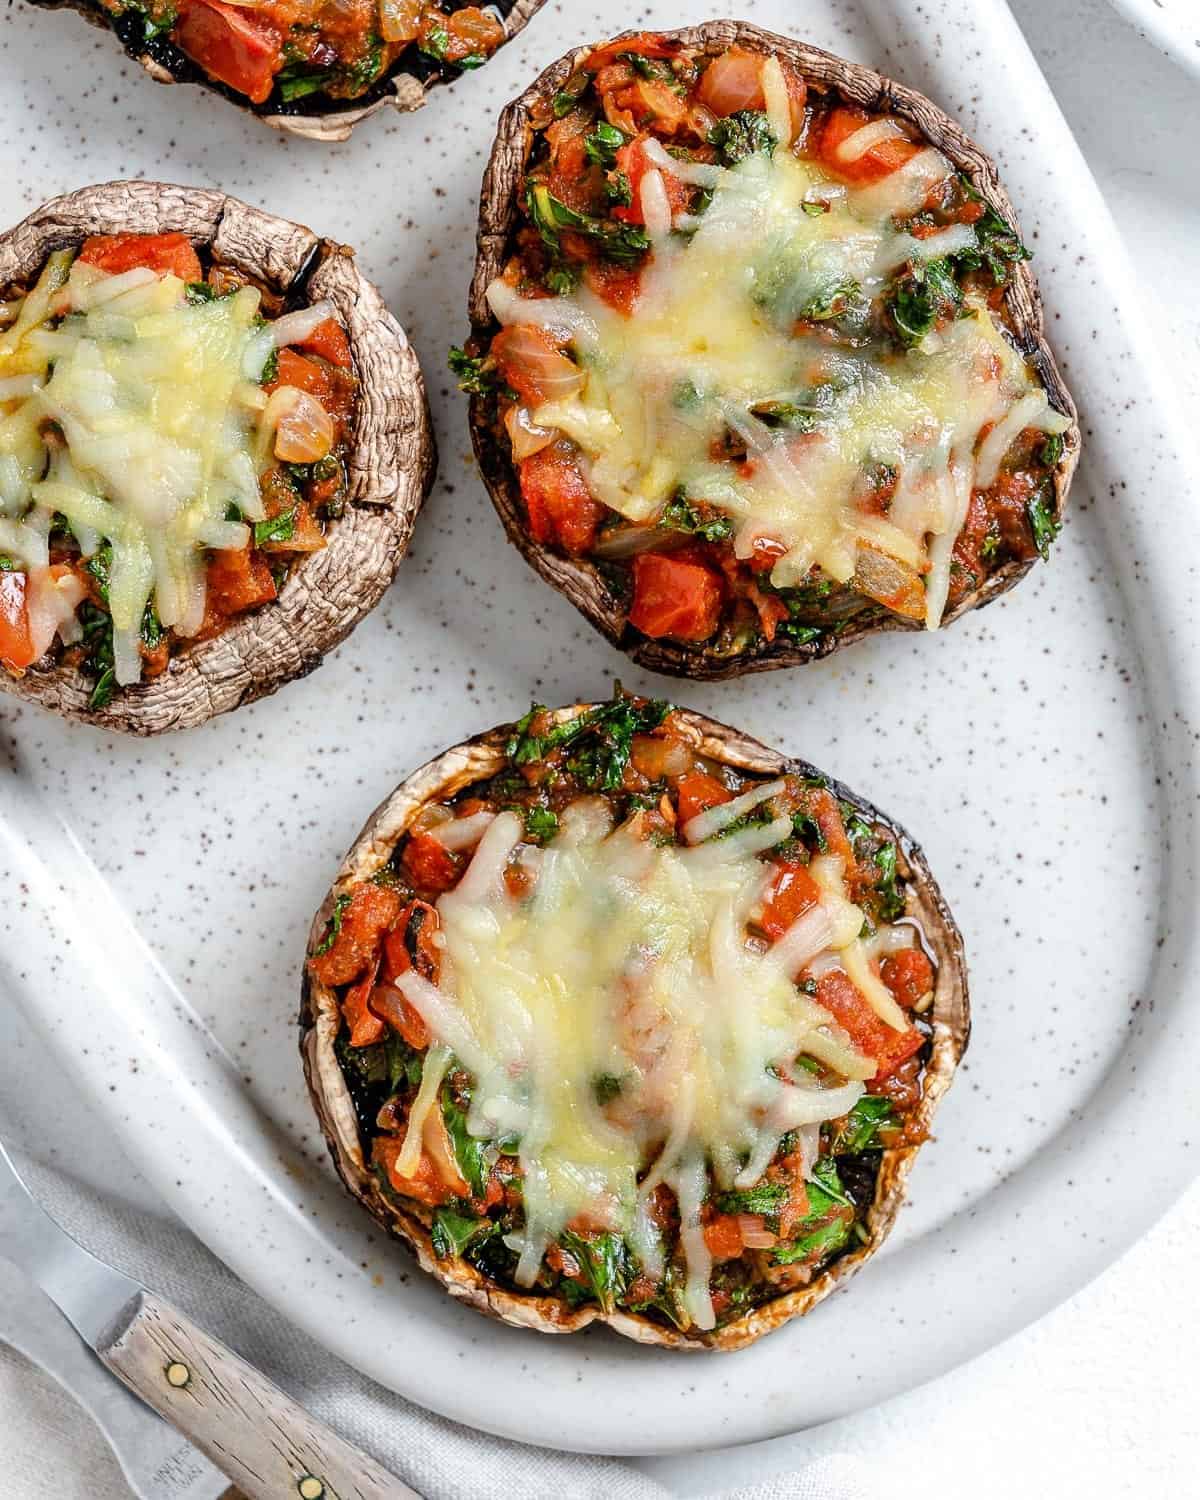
(320, 1022)
(316, 116)
(578, 577)
(390, 466)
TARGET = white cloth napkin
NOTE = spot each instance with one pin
(439, 1459)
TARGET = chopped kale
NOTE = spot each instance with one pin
(891, 898)
(622, 243)
(679, 515)
(335, 924)
(763, 1198)
(299, 80)
(606, 1087)
(860, 1131)
(742, 134)
(921, 296)
(1044, 524)
(562, 278)
(454, 1233)
(470, 1151)
(605, 1264)
(999, 248)
(801, 634)
(570, 94)
(280, 528)
(609, 730)
(541, 823)
(472, 377)
(198, 292)
(826, 1227)
(834, 302)
(602, 145)
(619, 190)
(435, 44)
(356, 78)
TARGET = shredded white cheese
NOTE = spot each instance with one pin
(715, 335)
(632, 961)
(150, 393)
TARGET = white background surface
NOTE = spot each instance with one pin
(1099, 1399)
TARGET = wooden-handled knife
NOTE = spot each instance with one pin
(250, 1430)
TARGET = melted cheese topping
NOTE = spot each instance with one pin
(630, 961)
(159, 403)
(715, 334)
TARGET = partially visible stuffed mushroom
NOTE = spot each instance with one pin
(756, 358)
(214, 443)
(315, 72)
(616, 1015)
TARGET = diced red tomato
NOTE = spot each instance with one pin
(329, 341)
(237, 580)
(168, 254)
(723, 1237)
(909, 976)
(425, 1185)
(617, 285)
(397, 960)
(530, 362)
(697, 792)
(674, 597)
(633, 161)
(304, 374)
(232, 45)
(366, 1028)
(821, 806)
(470, 31)
(390, 1004)
(642, 44)
(841, 998)
(429, 864)
(880, 161)
(16, 645)
(792, 893)
(560, 506)
(370, 912)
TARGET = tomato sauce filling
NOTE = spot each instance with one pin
(286, 52)
(630, 764)
(302, 490)
(683, 568)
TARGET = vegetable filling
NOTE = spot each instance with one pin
(755, 358)
(172, 444)
(625, 1027)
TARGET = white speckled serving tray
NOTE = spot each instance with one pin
(1042, 750)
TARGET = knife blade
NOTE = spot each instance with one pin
(250, 1429)
(157, 1463)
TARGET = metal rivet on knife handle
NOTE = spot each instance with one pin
(270, 1447)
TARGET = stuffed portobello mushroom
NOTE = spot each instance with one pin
(314, 71)
(756, 360)
(616, 1015)
(213, 446)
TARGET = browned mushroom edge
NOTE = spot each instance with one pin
(390, 465)
(320, 1021)
(578, 578)
(317, 117)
